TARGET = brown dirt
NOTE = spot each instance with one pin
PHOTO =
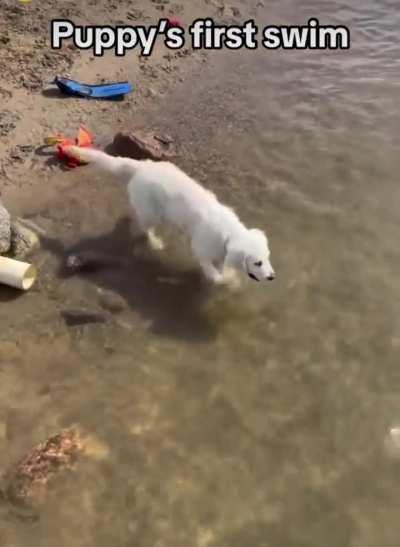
(31, 109)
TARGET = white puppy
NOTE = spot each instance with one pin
(160, 192)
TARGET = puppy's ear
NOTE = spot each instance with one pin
(235, 256)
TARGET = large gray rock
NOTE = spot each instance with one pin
(5, 230)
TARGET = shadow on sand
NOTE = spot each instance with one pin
(55, 93)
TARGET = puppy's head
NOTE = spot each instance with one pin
(251, 253)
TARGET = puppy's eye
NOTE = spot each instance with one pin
(258, 264)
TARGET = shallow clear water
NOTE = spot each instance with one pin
(254, 419)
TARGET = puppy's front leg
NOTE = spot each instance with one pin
(155, 242)
(232, 279)
(211, 273)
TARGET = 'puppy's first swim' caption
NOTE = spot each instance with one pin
(203, 33)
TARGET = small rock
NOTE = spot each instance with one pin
(77, 318)
(90, 261)
(5, 230)
(23, 240)
(139, 147)
(111, 302)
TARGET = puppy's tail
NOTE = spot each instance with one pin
(116, 166)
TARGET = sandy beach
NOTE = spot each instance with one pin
(32, 109)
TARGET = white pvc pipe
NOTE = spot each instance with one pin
(14, 273)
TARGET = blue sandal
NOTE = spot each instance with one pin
(102, 91)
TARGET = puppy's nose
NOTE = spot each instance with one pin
(271, 277)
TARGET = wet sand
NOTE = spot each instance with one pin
(256, 419)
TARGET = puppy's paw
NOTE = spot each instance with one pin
(155, 242)
(212, 274)
(215, 279)
(232, 280)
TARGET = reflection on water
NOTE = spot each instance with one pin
(255, 419)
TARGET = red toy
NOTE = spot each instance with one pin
(174, 22)
(83, 140)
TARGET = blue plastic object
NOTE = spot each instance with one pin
(114, 90)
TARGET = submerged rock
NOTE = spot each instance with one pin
(111, 301)
(77, 318)
(5, 230)
(23, 240)
(27, 483)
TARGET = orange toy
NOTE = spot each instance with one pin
(83, 140)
